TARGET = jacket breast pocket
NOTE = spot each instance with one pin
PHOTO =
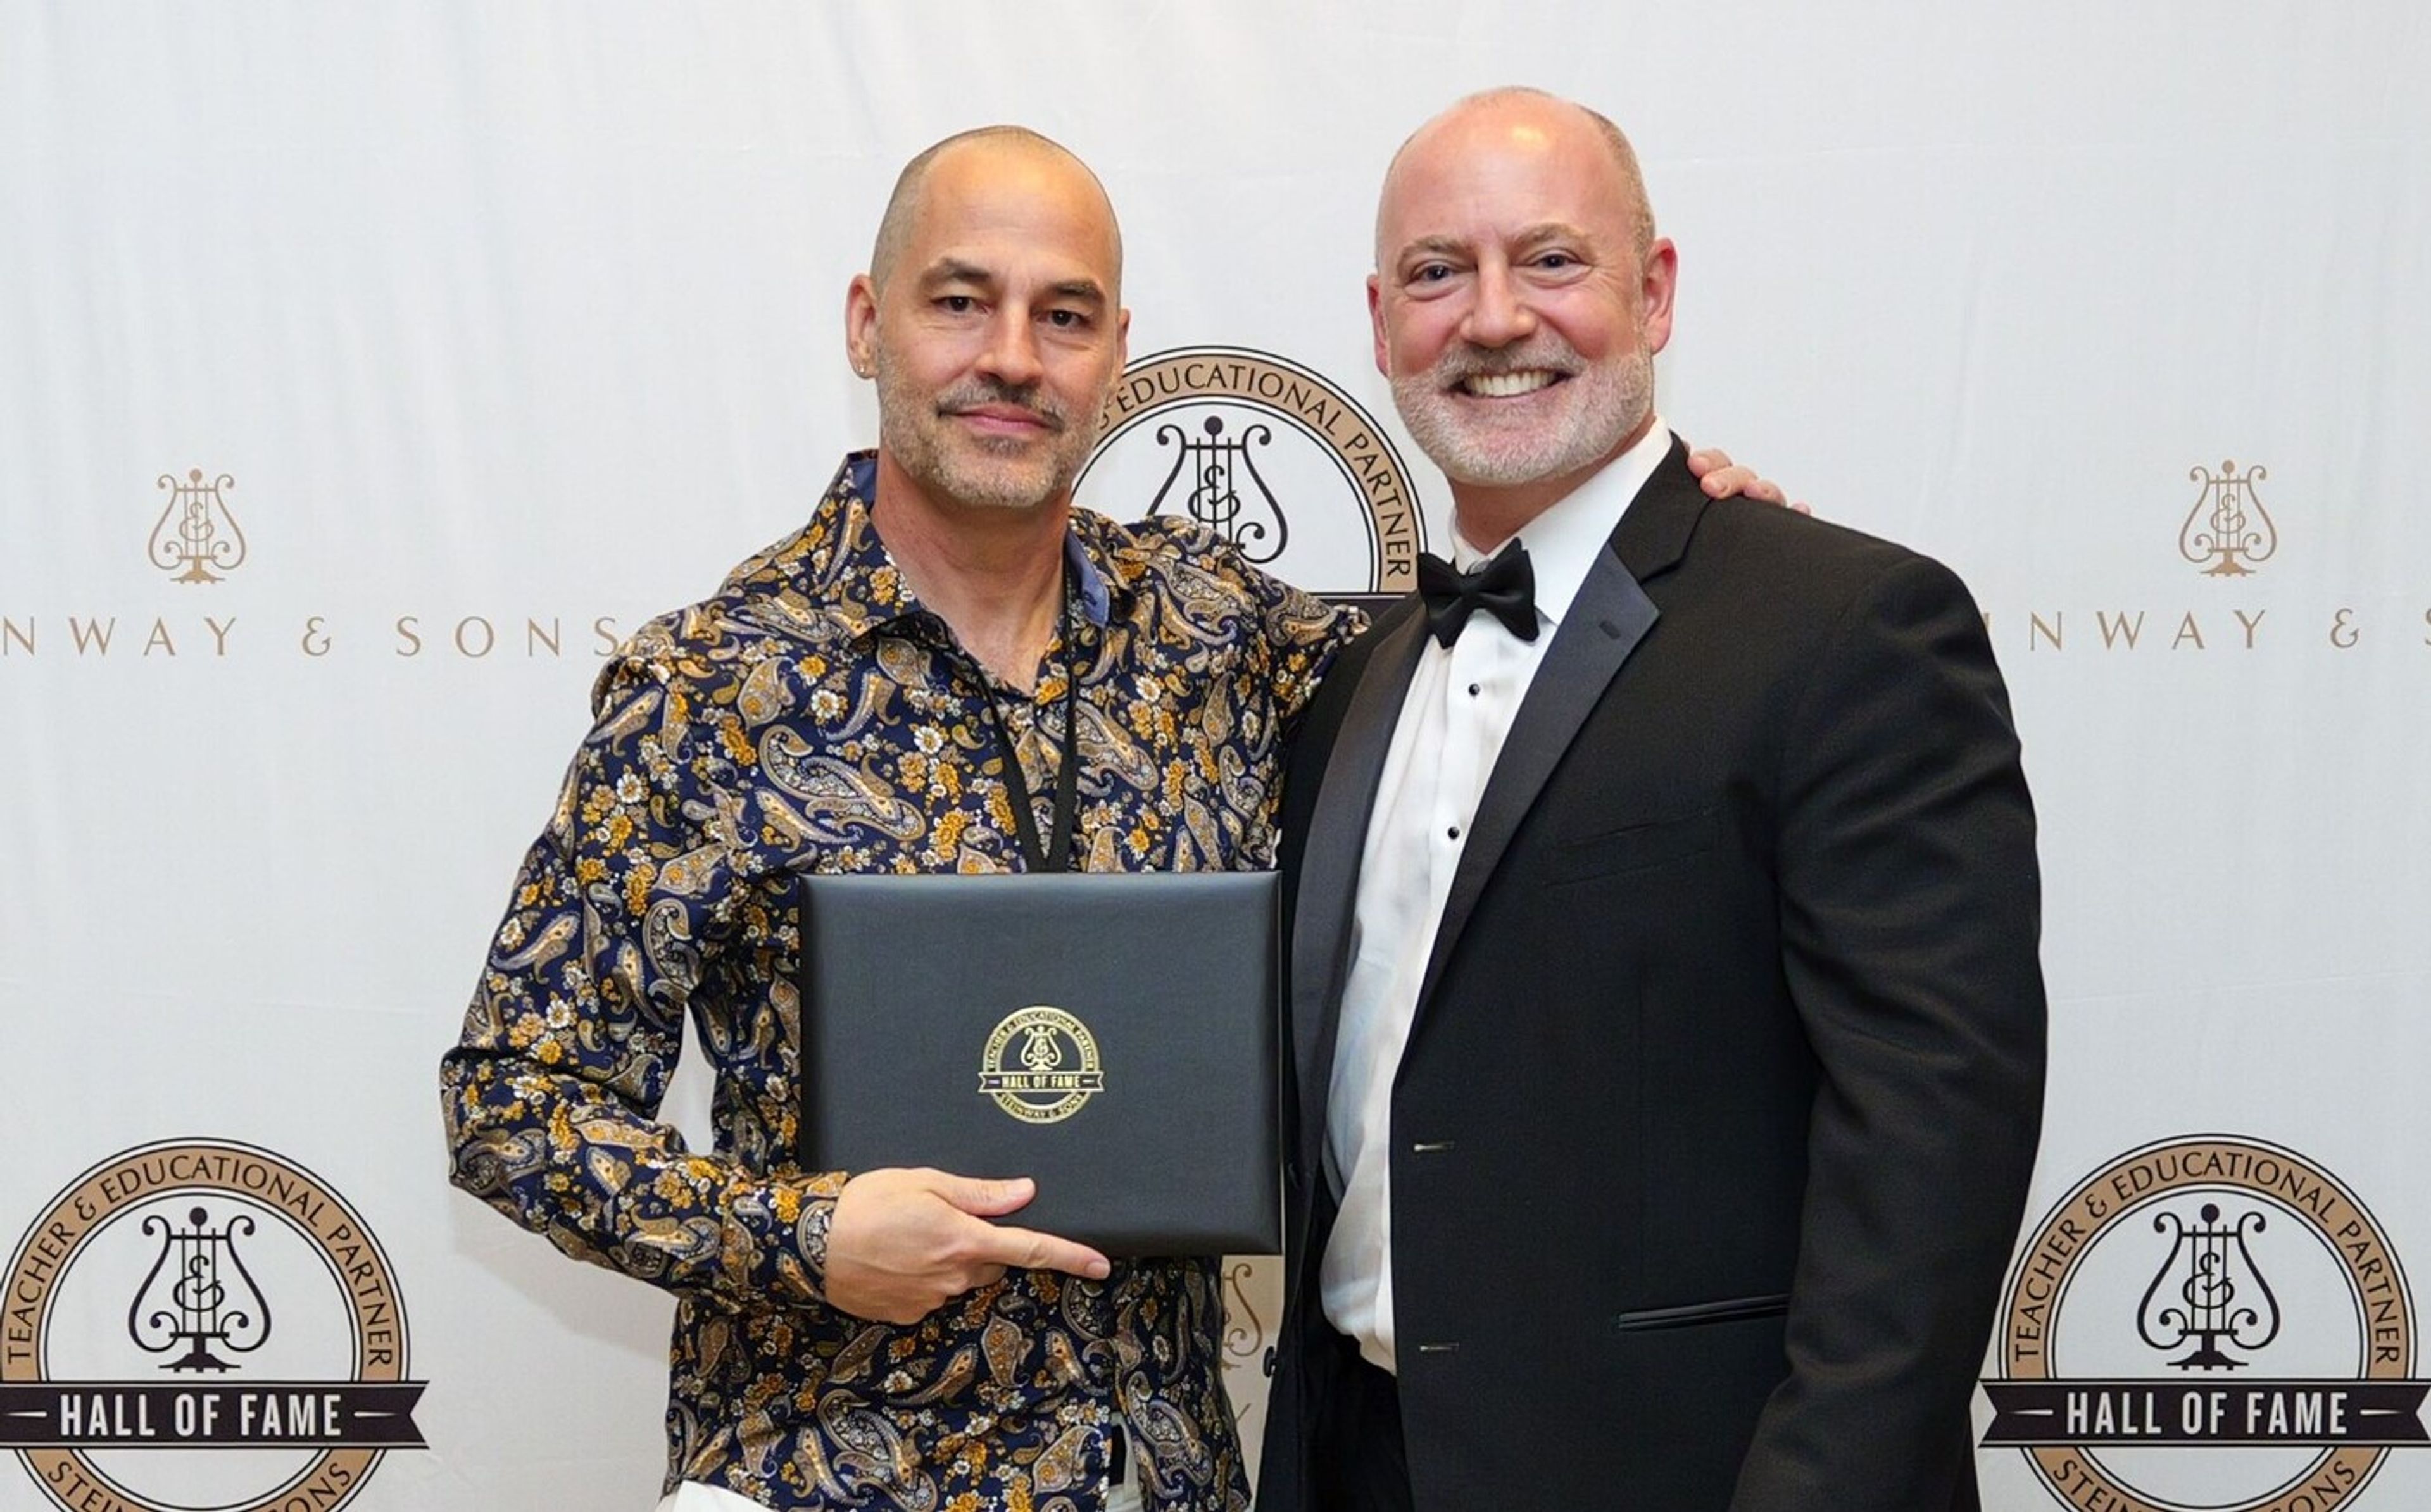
(1633, 847)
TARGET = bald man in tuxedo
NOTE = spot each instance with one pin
(1667, 1025)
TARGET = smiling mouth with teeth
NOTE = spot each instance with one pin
(1507, 385)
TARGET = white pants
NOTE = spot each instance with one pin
(692, 1495)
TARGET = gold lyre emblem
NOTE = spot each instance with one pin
(1041, 1065)
(2229, 529)
(197, 530)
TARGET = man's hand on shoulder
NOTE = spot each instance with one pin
(905, 1241)
(1721, 479)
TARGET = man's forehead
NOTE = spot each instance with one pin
(1488, 141)
(1522, 166)
(984, 199)
(992, 156)
(1523, 119)
(982, 258)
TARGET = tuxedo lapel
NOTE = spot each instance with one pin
(1606, 621)
(1337, 833)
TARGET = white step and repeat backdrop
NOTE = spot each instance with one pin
(367, 369)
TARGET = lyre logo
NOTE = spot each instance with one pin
(1221, 487)
(199, 1293)
(2228, 533)
(197, 531)
(2208, 1289)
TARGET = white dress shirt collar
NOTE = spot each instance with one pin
(1563, 541)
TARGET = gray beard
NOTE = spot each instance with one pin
(1607, 402)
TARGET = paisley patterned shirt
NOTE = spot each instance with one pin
(812, 717)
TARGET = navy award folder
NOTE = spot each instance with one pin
(1111, 1035)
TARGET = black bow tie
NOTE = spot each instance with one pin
(1504, 587)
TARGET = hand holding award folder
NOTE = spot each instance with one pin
(903, 1242)
(1111, 1037)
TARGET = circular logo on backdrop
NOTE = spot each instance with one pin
(2209, 1323)
(202, 1326)
(1271, 456)
(1041, 1065)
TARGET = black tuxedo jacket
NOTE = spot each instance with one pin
(1714, 1124)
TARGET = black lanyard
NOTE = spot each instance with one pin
(1057, 854)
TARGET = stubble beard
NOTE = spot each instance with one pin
(919, 431)
(1602, 403)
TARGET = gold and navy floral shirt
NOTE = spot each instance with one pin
(812, 717)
